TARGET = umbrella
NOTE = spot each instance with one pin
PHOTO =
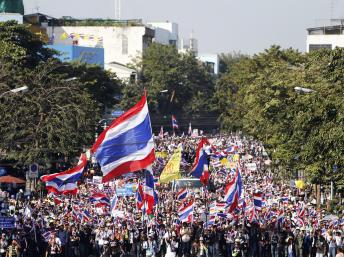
(11, 180)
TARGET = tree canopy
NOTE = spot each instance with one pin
(58, 116)
(301, 131)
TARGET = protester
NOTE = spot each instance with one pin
(269, 219)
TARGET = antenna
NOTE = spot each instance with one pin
(37, 7)
(117, 9)
(331, 10)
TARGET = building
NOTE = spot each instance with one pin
(123, 41)
(90, 55)
(166, 33)
(211, 61)
(188, 45)
(328, 37)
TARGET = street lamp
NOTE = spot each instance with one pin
(303, 90)
(71, 79)
(15, 90)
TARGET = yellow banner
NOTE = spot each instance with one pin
(161, 154)
(300, 184)
(171, 170)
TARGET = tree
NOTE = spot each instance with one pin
(176, 83)
(20, 46)
(54, 118)
(58, 115)
(300, 131)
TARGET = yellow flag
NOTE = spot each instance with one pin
(236, 157)
(224, 161)
(64, 36)
(171, 170)
(300, 184)
(161, 154)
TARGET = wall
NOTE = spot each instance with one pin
(113, 40)
(334, 40)
(88, 55)
(165, 32)
(210, 58)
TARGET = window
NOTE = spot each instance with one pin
(314, 47)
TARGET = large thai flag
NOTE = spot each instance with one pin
(200, 167)
(174, 122)
(149, 190)
(182, 194)
(65, 182)
(258, 201)
(99, 199)
(127, 144)
(186, 213)
(233, 191)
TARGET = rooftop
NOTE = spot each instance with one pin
(328, 29)
(70, 21)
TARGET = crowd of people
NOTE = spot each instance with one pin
(284, 222)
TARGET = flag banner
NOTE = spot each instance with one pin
(172, 168)
(127, 144)
(65, 182)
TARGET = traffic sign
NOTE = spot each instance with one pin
(33, 171)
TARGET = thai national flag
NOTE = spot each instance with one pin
(86, 216)
(161, 134)
(280, 216)
(127, 144)
(233, 191)
(65, 182)
(258, 200)
(149, 190)
(200, 167)
(210, 222)
(174, 122)
(139, 197)
(186, 213)
(190, 129)
(114, 201)
(46, 235)
(99, 199)
(182, 194)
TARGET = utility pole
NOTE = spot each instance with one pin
(117, 9)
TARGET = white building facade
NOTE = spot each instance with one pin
(166, 33)
(122, 44)
(328, 37)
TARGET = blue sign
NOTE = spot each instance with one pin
(7, 222)
(3, 171)
(127, 190)
(117, 113)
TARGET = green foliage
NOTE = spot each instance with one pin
(53, 118)
(21, 46)
(300, 131)
(58, 115)
(175, 83)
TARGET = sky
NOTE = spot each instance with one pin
(221, 26)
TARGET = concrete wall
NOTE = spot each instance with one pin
(121, 44)
(334, 40)
(88, 55)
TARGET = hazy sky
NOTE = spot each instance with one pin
(248, 26)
